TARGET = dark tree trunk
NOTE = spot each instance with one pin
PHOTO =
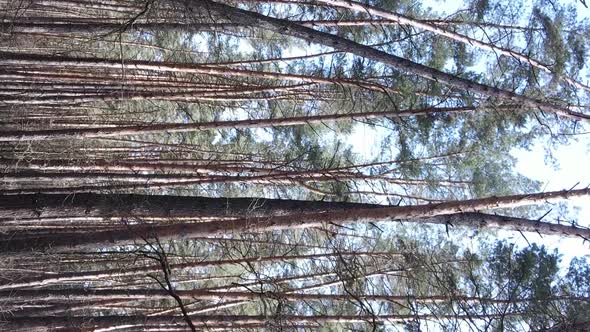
(297, 219)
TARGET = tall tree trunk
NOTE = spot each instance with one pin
(416, 213)
(80, 133)
(36, 206)
(43, 296)
(50, 323)
(144, 270)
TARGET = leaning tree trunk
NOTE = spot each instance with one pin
(49, 323)
(414, 213)
(40, 206)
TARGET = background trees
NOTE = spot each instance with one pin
(187, 165)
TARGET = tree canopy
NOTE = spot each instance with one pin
(198, 165)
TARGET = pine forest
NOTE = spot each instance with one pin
(294, 165)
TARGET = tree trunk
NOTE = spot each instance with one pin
(43, 296)
(144, 270)
(36, 206)
(80, 133)
(49, 323)
(415, 213)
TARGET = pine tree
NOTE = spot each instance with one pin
(187, 165)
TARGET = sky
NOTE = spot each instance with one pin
(574, 168)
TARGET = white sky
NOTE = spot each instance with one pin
(574, 167)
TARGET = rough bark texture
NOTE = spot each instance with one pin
(304, 220)
(49, 323)
(35, 206)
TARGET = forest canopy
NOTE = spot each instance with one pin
(196, 165)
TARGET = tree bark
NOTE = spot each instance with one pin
(36, 206)
(81, 133)
(50, 323)
(65, 295)
(416, 213)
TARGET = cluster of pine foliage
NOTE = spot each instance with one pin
(194, 165)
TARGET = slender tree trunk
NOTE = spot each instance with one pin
(144, 270)
(71, 26)
(80, 133)
(98, 27)
(42, 296)
(51, 323)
